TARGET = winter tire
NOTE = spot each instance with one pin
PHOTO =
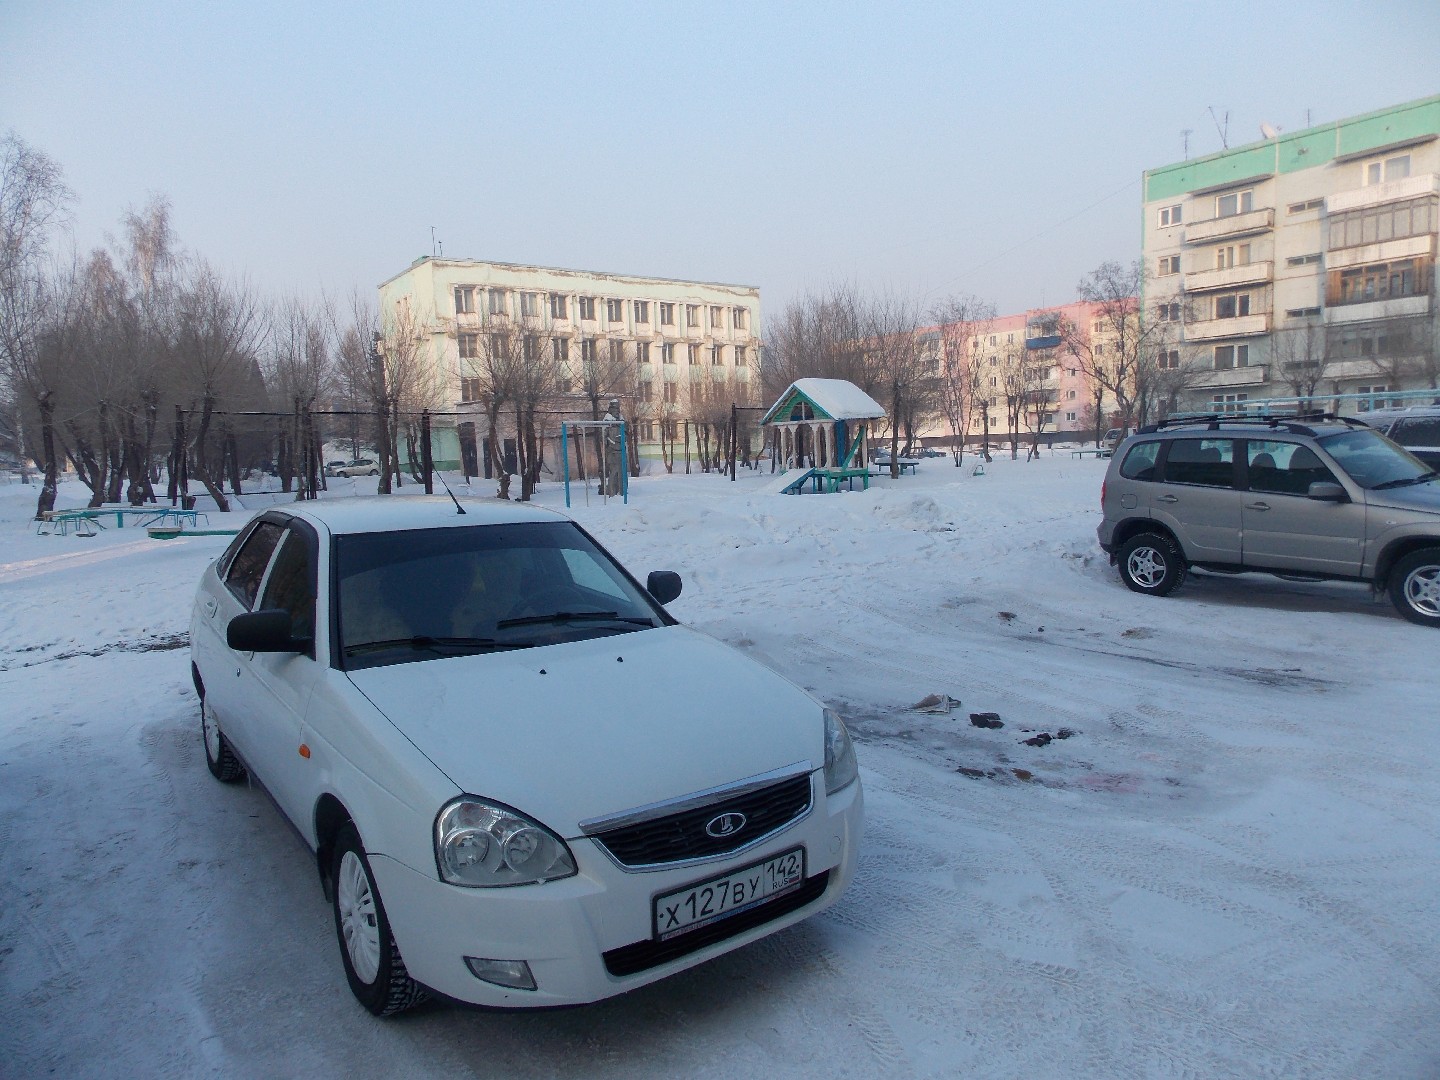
(373, 472)
(220, 759)
(1151, 563)
(1415, 586)
(373, 965)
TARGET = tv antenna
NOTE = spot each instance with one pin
(1223, 129)
(436, 247)
(1185, 134)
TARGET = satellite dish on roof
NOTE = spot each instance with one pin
(1269, 131)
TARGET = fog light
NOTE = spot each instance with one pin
(512, 973)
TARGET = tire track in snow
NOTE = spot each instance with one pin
(53, 564)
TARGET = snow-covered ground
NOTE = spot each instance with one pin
(1228, 868)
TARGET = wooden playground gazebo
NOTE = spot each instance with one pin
(820, 427)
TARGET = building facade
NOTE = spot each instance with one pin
(1302, 266)
(669, 350)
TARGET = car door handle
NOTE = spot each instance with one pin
(1167, 498)
(210, 606)
(1257, 506)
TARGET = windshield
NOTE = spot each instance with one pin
(1372, 460)
(432, 593)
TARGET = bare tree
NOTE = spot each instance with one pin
(1298, 356)
(817, 336)
(298, 372)
(963, 321)
(1118, 351)
(34, 205)
(895, 365)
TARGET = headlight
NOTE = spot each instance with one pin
(840, 765)
(483, 845)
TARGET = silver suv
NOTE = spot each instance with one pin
(1309, 497)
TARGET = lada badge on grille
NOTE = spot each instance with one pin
(725, 825)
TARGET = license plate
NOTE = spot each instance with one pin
(728, 894)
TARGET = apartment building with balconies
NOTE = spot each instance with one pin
(668, 349)
(1302, 265)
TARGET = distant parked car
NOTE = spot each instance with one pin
(332, 468)
(1112, 438)
(1416, 428)
(359, 467)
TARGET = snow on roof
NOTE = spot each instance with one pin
(838, 398)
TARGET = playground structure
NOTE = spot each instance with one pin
(819, 430)
(614, 465)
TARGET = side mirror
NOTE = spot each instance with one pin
(263, 631)
(663, 585)
(1328, 491)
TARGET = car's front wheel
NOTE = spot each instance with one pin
(373, 965)
(219, 758)
(1151, 563)
(1415, 586)
(373, 472)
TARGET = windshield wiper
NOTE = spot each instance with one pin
(573, 616)
(435, 644)
(1406, 481)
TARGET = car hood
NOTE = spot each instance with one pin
(590, 728)
(1422, 497)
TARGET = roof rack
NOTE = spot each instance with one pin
(1295, 423)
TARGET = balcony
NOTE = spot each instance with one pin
(1412, 187)
(1242, 326)
(1048, 341)
(1224, 379)
(1256, 273)
(1202, 232)
(1387, 251)
(1397, 308)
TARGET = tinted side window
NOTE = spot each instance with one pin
(1419, 431)
(1284, 468)
(1139, 463)
(1210, 462)
(292, 585)
(248, 568)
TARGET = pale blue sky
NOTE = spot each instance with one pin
(926, 148)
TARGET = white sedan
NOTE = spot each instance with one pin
(524, 783)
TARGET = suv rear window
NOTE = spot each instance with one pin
(1139, 463)
(1201, 461)
(1417, 431)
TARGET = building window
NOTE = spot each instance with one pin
(587, 307)
(740, 356)
(587, 351)
(717, 318)
(1387, 169)
(1100, 349)
(464, 299)
(566, 378)
(497, 302)
(530, 305)
(1169, 264)
(1366, 406)
(1376, 224)
(469, 346)
(1308, 204)
(1169, 359)
(1169, 215)
(557, 306)
(1237, 202)
(994, 381)
(1070, 395)
(667, 353)
(717, 354)
(671, 392)
(642, 352)
(740, 318)
(642, 311)
(1302, 312)
(1230, 403)
(692, 315)
(1303, 260)
(667, 314)
(694, 351)
(615, 311)
(1169, 312)
(1231, 356)
(497, 345)
(1233, 306)
(647, 391)
(469, 389)
(531, 347)
(1232, 255)
(560, 350)
(617, 353)
(992, 339)
(1380, 281)
(1070, 418)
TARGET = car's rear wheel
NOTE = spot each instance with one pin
(1151, 563)
(1415, 586)
(373, 965)
(219, 758)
